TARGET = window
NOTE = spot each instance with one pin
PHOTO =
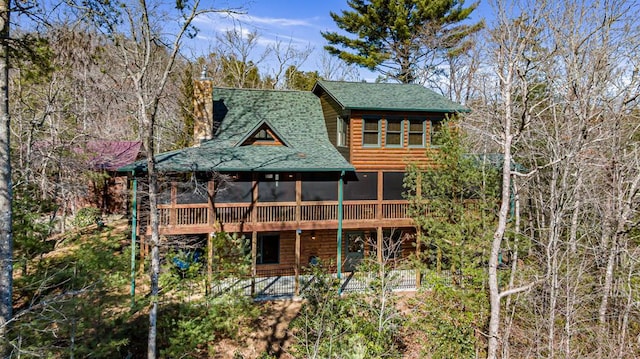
(395, 131)
(341, 139)
(264, 135)
(436, 132)
(416, 132)
(268, 251)
(371, 132)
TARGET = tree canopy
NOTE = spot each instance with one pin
(395, 38)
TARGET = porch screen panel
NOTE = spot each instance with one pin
(319, 187)
(276, 188)
(164, 193)
(365, 187)
(192, 193)
(392, 185)
(236, 190)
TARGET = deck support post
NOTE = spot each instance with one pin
(379, 248)
(298, 232)
(340, 199)
(418, 255)
(297, 265)
(210, 261)
(419, 232)
(254, 257)
(134, 230)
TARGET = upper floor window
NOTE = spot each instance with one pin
(416, 132)
(341, 139)
(395, 132)
(436, 132)
(371, 132)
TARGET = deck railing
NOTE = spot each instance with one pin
(278, 212)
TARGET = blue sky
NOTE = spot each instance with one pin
(298, 21)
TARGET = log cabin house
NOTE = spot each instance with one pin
(306, 175)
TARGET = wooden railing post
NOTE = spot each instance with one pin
(173, 218)
(211, 214)
(379, 212)
(254, 199)
(298, 232)
(254, 257)
(418, 231)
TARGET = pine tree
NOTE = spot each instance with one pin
(395, 37)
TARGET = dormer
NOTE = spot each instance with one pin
(383, 125)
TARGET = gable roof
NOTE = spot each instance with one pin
(386, 97)
(295, 116)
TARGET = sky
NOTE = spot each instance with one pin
(297, 21)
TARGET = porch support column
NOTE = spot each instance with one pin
(210, 261)
(254, 256)
(418, 255)
(134, 231)
(212, 222)
(340, 199)
(298, 232)
(379, 246)
(254, 235)
(419, 231)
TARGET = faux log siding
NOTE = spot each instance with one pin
(324, 246)
(331, 113)
(287, 253)
(381, 158)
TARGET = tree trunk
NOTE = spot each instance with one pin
(6, 233)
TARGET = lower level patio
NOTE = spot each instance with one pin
(274, 285)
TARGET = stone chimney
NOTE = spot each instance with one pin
(203, 109)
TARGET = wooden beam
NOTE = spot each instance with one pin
(298, 232)
(418, 255)
(211, 190)
(254, 257)
(210, 261)
(297, 264)
(379, 244)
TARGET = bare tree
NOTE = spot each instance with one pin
(148, 59)
(6, 237)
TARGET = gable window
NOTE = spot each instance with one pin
(263, 135)
(416, 132)
(341, 139)
(268, 251)
(435, 135)
(395, 131)
(371, 132)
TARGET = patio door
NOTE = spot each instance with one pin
(354, 252)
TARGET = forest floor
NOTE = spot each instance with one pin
(269, 333)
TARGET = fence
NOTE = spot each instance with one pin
(281, 283)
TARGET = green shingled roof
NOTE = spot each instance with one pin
(294, 116)
(386, 97)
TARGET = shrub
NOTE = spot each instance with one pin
(87, 216)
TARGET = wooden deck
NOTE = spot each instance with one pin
(271, 216)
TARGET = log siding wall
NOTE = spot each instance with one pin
(367, 158)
